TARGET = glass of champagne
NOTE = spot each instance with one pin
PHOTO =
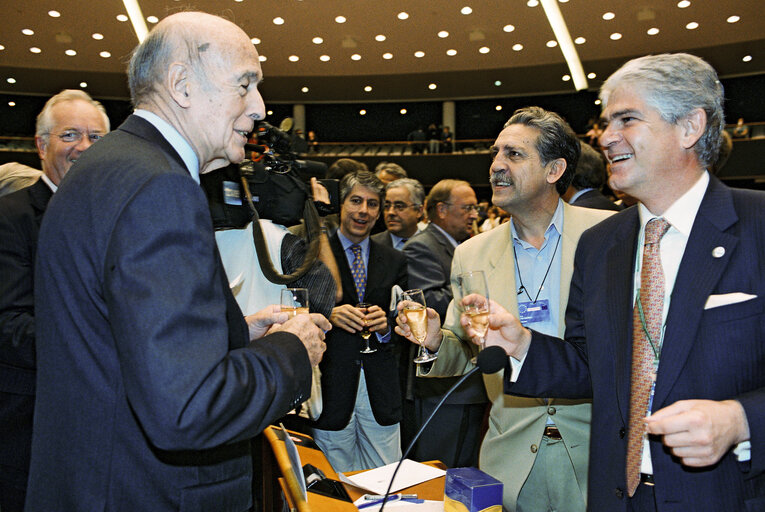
(417, 320)
(474, 283)
(295, 301)
(365, 332)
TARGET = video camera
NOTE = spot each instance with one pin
(276, 180)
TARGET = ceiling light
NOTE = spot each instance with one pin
(324, 58)
(615, 36)
(508, 28)
(293, 58)
(317, 40)
(238, 0)
(304, 89)
(432, 87)
(152, 19)
(566, 78)
(733, 19)
(10, 80)
(563, 37)
(466, 10)
(598, 102)
(419, 54)
(443, 34)
(498, 108)
(368, 88)
(552, 43)
(270, 113)
(387, 56)
(136, 19)
(609, 16)
(591, 75)
(54, 14)
(652, 31)
(380, 37)
(683, 4)
(278, 21)
(255, 40)
(403, 111)
(97, 36)
(28, 32)
(105, 54)
(70, 52)
(11, 103)
(35, 49)
(747, 58)
(532, 3)
(340, 19)
(122, 17)
(484, 49)
(451, 52)
(497, 83)
(517, 47)
(83, 84)
(355, 56)
(692, 25)
(2, 47)
(402, 15)
(563, 1)
(262, 58)
(362, 112)
(580, 40)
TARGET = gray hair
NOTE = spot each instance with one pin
(441, 193)
(556, 140)
(15, 176)
(591, 170)
(675, 85)
(45, 117)
(365, 179)
(391, 168)
(415, 188)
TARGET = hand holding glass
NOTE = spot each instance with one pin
(295, 301)
(477, 307)
(417, 319)
(365, 332)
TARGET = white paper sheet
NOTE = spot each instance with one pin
(376, 480)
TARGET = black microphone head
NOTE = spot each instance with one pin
(491, 359)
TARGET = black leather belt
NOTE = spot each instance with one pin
(552, 432)
(646, 479)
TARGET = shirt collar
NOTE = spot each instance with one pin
(347, 243)
(175, 139)
(397, 240)
(52, 186)
(555, 226)
(682, 212)
(449, 237)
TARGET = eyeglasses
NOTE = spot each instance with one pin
(72, 136)
(466, 207)
(398, 206)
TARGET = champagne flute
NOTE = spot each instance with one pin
(417, 320)
(474, 283)
(365, 332)
(295, 301)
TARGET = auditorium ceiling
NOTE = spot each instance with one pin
(387, 50)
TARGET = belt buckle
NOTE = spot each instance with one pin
(552, 432)
(647, 479)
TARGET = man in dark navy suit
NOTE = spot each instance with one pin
(665, 326)
(69, 123)
(150, 381)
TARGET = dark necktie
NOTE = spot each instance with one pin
(359, 272)
(646, 339)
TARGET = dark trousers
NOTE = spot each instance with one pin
(644, 499)
(453, 436)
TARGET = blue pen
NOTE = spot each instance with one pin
(391, 499)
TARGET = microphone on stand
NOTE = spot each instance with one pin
(490, 360)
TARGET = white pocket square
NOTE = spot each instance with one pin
(715, 301)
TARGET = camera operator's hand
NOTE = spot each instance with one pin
(348, 318)
(310, 329)
(376, 319)
(319, 192)
(259, 323)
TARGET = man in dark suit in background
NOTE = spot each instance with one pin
(359, 424)
(68, 124)
(402, 210)
(454, 435)
(665, 326)
(150, 381)
(589, 178)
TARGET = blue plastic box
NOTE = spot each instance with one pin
(471, 490)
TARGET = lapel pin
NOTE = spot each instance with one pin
(718, 252)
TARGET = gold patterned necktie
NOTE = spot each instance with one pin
(359, 272)
(646, 344)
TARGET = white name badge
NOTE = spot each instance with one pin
(532, 312)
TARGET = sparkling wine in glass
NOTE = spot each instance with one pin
(474, 283)
(295, 301)
(417, 320)
(365, 332)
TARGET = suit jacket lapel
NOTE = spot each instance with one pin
(439, 237)
(375, 265)
(697, 276)
(39, 196)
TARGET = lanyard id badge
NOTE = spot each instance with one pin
(532, 312)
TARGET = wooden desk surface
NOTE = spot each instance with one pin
(430, 490)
